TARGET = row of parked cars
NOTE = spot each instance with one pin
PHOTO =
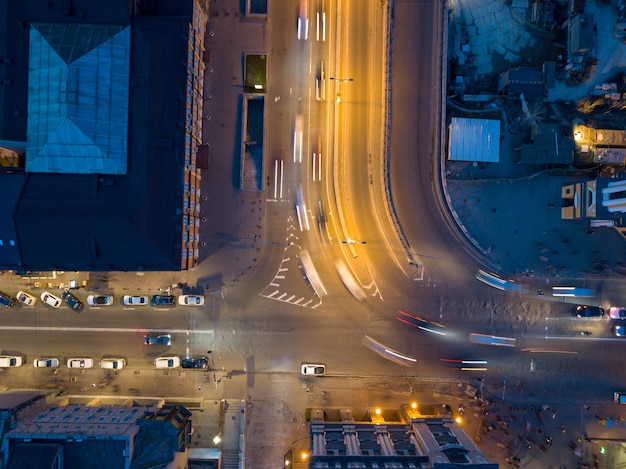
(99, 300)
(173, 361)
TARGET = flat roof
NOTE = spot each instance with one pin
(474, 140)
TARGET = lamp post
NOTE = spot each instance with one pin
(340, 81)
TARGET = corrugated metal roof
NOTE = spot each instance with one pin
(474, 140)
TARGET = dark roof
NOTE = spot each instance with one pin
(11, 187)
(35, 456)
(525, 80)
(111, 222)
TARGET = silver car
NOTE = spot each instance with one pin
(51, 300)
(47, 362)
(80, 363)
(130, 300)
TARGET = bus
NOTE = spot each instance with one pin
(491, 340)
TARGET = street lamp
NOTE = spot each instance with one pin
(353, 241)
(340, 80)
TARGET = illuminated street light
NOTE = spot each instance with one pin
(353, 241)
(340, 80)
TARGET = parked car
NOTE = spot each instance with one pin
(620, 331)
(167, 362)
(191, 300)
(130, 300)
(163, 300)
(72, 301)
(26, 298)
(47, 362)
(10, 361)
(200, 363)
(313, 369)
(80, 363)
(617, 312)
(113, 363)
(99, 300)
(157, 339)
(6, 300)
(51, 300)
(585, 311)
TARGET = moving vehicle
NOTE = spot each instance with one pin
(113, 363)
(72, 301)
(6, 300)
(617, 312)
(26, 298)
(158, 339)
(620, 331)
(162, 300)
(619, 397)
(191, 300)
(10, 361)
(303, 20)
(199, 363)
(167, 362)
(80, 362)
(573, 292)
(584, 311)
(130, 300)
(464, 365)
(51, 300)
(313, 369)
(320, 84)
(421, 323)
(485, 339)
(99, 300)
(47, 362)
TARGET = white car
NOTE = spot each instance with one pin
(47, 362)
(167, 362)
(313, 369)
(616, 312)
(26, 298)
(112, 363)
(80, 363)
(303, 20)
(130, 300)
(191, 300)
(99, 300)
(9, 361)
(51, 300)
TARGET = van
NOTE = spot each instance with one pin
(113, 363)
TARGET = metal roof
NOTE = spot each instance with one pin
(474, 140)
(78, 98)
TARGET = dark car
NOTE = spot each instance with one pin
(6, 300)
(589, 311)
(162, 300)
(200, 363)
(157, 339)
(72, 301)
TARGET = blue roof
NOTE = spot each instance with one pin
(78, 98)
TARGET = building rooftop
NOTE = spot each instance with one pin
(78, 98)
